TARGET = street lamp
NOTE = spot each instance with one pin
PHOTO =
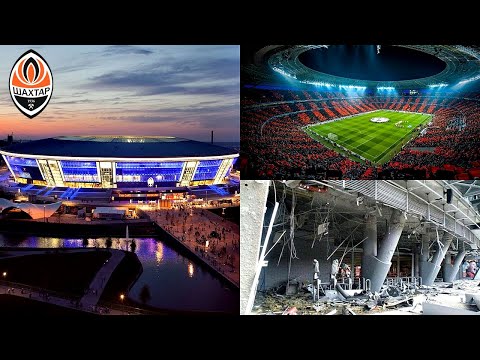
(44, 218)
(121, 298)
(4, 275)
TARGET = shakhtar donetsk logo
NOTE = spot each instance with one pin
(31, 83)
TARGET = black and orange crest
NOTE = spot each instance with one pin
(31, 84)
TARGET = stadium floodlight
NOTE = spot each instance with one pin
(437, 85)
(316, 83)
(469, 80)
(352, 87)
(283, 72)
(385, 88)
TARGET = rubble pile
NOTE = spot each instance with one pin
(300, 302)
(459, 296)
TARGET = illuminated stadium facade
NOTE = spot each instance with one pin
(118, 162)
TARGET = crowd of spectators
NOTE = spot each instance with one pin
(275, 146)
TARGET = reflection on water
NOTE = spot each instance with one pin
(175, 281)
(191, 269)
(159, 252)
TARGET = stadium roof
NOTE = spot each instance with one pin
(280, 63)
(119, 146)
(36, 211)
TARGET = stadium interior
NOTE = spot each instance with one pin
(280, 97)
(359, 247)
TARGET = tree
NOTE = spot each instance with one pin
(145, 294)
(108, 243)
(133, 246)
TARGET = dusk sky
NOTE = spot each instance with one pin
(183, 91)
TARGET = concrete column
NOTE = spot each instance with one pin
(252, 211)
(448, 258)
(417, 261)
(423, 255)
(376, 267)
(432, 269)
(451, 271)
(369, 245)
(424, 251)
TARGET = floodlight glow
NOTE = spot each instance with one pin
(385, 88)
(352, 87)
(283, 72)
(468, 80)
(316, 83)
(437, 85)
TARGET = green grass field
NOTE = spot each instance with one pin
(377, 142)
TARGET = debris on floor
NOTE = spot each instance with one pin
(461, 296)
(290, 311)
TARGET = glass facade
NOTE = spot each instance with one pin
(79, 171)
(140, 172)
(207, 169)
(123, 174)
(24, 168)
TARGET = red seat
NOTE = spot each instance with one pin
(474, 172)
(463, 176)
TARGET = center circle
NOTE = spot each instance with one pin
(379, 119)
(362, 62)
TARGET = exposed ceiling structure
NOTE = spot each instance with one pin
(469, 189)
(338, 209)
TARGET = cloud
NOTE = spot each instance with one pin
(203, 117)
(189, 89)
(202, 76)
(72, 102)
(114, 50)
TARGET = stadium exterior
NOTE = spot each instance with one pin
(118, 162)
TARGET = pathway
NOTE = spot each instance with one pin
(88, 302)
(95, 290)
(46, 296)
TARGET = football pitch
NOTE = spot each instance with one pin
(377, 142)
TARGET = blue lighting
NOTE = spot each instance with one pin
(79, 171)
(352, 87)
(317, 83)
(283, 72)
(469, 80)
(140, 172)
(24, 168)
(207, 169)
(21, 161)
(437, 85)
(385, 88)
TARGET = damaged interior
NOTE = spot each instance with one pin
(367, 247)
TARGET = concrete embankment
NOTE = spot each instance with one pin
(89, 229)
